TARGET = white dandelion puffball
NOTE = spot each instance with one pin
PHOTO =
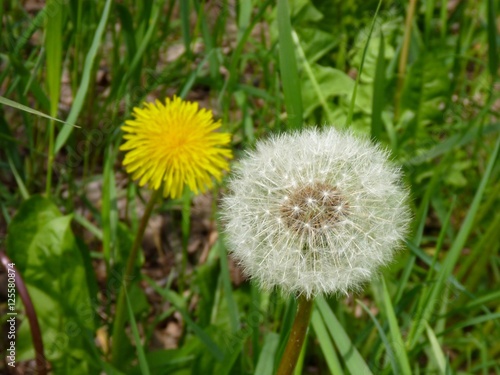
(316, 211)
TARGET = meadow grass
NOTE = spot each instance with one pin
(421, 78)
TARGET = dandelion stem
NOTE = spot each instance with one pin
(186, 227)
(119, 321)
(297, 335)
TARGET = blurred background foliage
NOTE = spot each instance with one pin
(428, 90)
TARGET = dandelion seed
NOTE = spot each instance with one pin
(175, 144)
(335, 212)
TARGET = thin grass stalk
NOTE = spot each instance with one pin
(360, 71)
(119, 321)
(403, 58)
(50, 161)
(185, 228)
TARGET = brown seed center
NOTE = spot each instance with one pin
(314, 207)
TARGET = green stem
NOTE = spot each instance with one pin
(50, 161)
(119, 321)
(185, 228)
(403, 59)
(296, 338)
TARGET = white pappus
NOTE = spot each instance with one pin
(315, 212)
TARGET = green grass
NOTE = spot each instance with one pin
(70, 75)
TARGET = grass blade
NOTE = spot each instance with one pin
(419, 229)
(207, 39)
(378, 92)
(396, 338)
(179, 304)
(141, 48)
(326, 344)
(472, 322)
(382, 335)
(429, 9)
(228, 290)
(436, 349)
(20, 184)
(143, 363)
(83, 87)
(265, 364)
(185, 26)
(360, 71)
(53, 48)
(109, 210)
(286, 325)
(288, 68)
(312, 78)
(453, 254)
(185, 231)
(492, 40)
(457, 140)
(353, 360)
(24, 108)
(244, 17)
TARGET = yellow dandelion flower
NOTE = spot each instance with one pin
(177, 144)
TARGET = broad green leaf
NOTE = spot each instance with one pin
(329, 81)
(42, 246)
(318, 44)
(304, 11)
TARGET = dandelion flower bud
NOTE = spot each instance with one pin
(314, 212)
(175, 144)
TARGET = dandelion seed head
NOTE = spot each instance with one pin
(319, 212)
